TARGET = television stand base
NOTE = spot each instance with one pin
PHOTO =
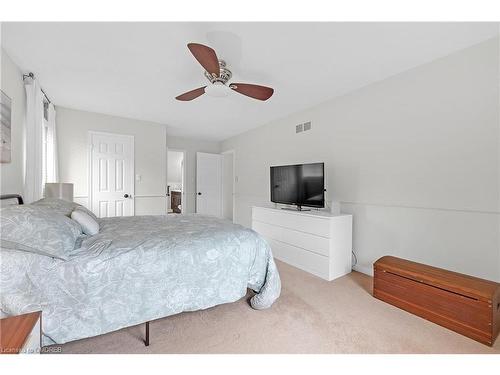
(295, 209)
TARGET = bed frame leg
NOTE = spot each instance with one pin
(146, 342)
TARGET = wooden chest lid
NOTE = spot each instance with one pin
(455, 282)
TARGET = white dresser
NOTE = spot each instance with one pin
(315, 241)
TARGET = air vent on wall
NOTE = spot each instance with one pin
(303, 127)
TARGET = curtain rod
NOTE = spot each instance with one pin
(32, 76)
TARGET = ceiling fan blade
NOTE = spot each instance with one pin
(206, 57)
(190, 95)
(253, 91)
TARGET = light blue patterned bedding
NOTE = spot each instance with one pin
(39, 230)
(138, 269)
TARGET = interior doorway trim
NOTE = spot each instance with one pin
(233, 152)
(184, 179)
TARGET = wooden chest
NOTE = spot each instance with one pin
(465, 304)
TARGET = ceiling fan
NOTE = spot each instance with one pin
(219, 75)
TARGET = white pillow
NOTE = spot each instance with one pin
(89, 225)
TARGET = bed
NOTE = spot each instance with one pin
(136, 269)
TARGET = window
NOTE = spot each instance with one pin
(45, 133)
(48, 148)
(40, 161)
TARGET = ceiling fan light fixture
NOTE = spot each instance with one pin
(217, 90)
(219, 75)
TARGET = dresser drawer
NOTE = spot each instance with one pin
(311, 262)
(304, 223)
(307, 241)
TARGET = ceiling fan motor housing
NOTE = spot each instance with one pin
(224, 76)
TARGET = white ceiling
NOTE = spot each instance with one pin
(136, 69)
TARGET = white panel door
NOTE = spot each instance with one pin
(112, 174)
(209, 184)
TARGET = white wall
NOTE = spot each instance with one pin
(174, 166)
(150, 155)
(227, 185)
(11, 174)
(191, 146)
(415, 159)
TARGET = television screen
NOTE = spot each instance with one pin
(301, 184)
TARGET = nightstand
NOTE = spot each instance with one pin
(21, 334)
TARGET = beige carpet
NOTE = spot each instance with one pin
(312, 316)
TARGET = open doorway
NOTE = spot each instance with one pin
(175, 181)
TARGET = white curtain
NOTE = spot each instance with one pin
(52, 162)
(33, 138)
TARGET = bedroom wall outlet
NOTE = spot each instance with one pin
(138, 177)
(298, 128)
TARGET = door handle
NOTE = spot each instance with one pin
(126, 196)
(199, 193)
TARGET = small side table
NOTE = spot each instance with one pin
(21, 334)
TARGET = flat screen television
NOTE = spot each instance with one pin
(300, 185)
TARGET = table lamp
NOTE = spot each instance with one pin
(59, 190)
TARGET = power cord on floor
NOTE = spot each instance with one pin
(355, 258)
